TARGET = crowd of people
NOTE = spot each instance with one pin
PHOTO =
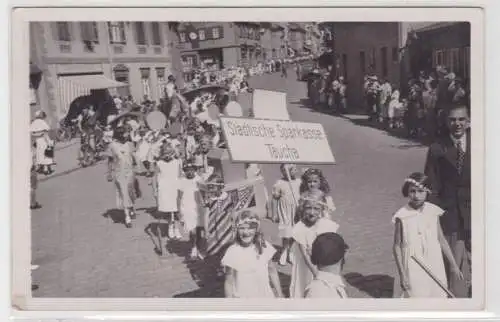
(191, 197)
(421, 109)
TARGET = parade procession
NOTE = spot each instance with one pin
(228, 177)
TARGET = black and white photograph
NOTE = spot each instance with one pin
(251, 159)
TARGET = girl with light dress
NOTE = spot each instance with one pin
(418, 233)
(311, 210)
(313, 179)
(40, 131)
(165, 187)
(249, 269)
(189, 204)
(121, 171)
(285, 193)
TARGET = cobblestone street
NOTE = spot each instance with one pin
(83, 251)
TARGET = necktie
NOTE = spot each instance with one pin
(460, 157)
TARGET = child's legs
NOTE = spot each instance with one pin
(33, 196)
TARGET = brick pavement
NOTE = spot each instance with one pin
(82, 252)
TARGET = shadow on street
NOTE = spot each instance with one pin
(377, 286)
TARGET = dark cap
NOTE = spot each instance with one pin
(328, 249)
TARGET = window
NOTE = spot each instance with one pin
(362, 63)
(89, 31)
(395, 54)
(383, 60)
(244, 31)
(189, 61)
(454, 60)
(117, 32)
(215, 33)
(63, 32)
(251, 33)
(140, 33)
(182, 36)
(243, 53)
(466, 62)
(201, 34)
(160, 75)
(156, 33)
(293, 36)
(146, 90)
(373, 61)
(122, 75)
(344, 64)
(439, 59)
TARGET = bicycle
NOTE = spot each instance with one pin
(66, 133)
(88, 154)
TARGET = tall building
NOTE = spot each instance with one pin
(75, 56)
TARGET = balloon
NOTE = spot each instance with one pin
(156, 120)
(234, 109)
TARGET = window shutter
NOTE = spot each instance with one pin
(122, 31)
(71, 30)
(85, 31)
(55, 33)
(221, 32)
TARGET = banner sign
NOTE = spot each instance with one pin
(274, 141)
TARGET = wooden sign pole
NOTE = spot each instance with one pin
(428, 271)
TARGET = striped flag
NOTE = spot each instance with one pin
(221, 216)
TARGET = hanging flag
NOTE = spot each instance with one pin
(192, 35)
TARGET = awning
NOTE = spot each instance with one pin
(71, 87)
(94, 81)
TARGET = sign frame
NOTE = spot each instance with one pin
(231, 158)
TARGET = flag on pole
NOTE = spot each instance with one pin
(193, 37)
(220, 228)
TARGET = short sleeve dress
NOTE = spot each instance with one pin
(285, 197)
(168, 183)
(252, 270)
(305, 236)
(189, 207)
(420, 239)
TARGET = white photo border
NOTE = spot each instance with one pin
(21, 252)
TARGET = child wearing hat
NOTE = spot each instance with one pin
(189, 204)
(328, 251)
(418, 233)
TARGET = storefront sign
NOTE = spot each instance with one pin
(272, 141)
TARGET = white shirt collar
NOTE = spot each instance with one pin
(460, 141)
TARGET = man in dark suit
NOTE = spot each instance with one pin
(448, 166)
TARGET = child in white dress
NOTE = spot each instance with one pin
(165, 187)
(313, 179)
(189, 201)
(418, 233)
(250, 271)
(286, 194)
(311, 209)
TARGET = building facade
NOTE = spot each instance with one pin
(439, 44)
(138, 54)
(218, 45)
(397, 51)
(363, 48)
